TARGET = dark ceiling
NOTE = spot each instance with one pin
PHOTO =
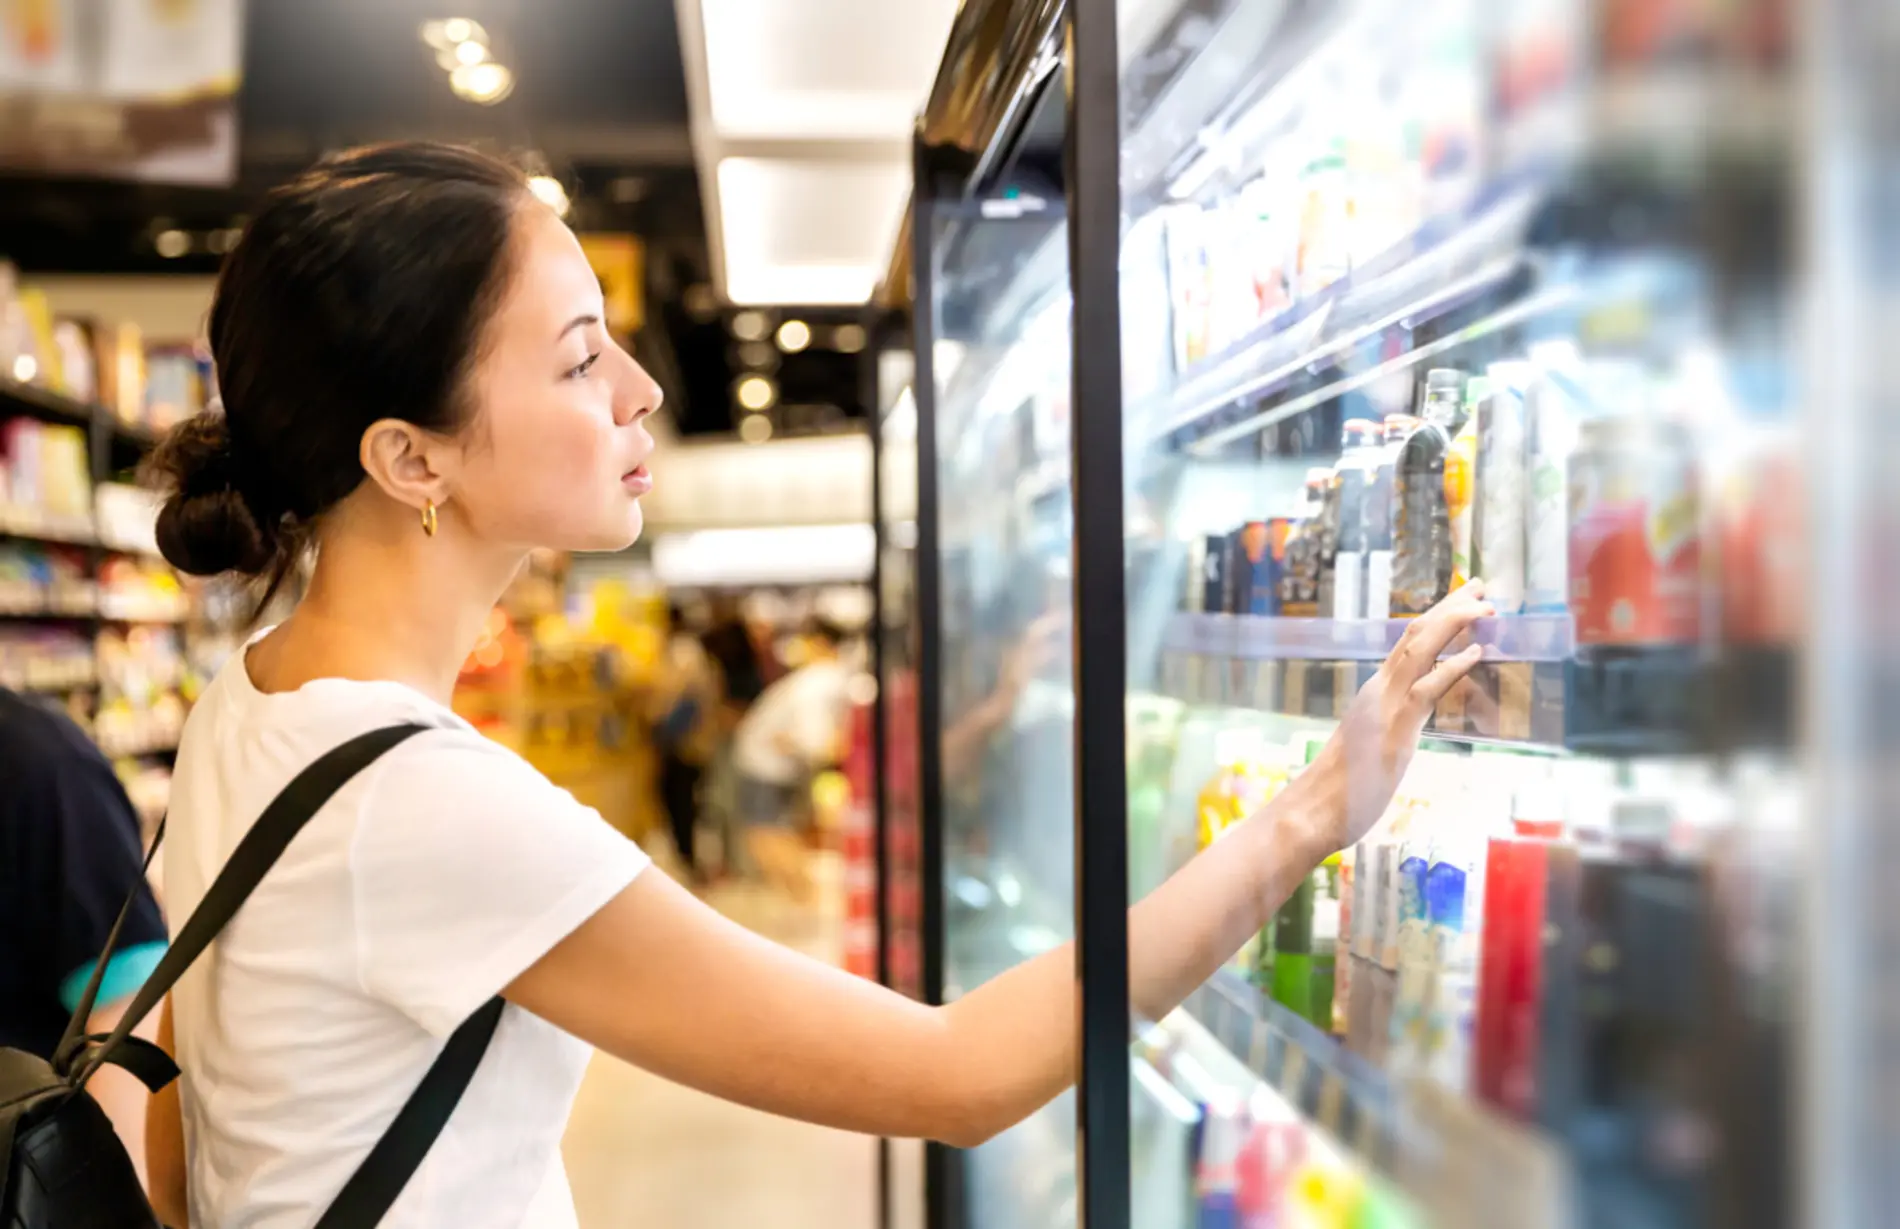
(600, 96)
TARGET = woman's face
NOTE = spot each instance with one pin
(556, 454)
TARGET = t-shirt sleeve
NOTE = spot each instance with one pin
(822, 700)
(467, 867)
(92, 844)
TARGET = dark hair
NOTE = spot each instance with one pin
(827, 630)
(358, 292)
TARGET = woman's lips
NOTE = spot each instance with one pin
(637, 480)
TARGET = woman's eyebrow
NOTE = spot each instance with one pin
(578, 322)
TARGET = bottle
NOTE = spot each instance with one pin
(1326, 543)
(1497, 536)
(1299, 578)
(1325, 231)
(1421, 514)
(1461, 481)
(1551, 428)
(1396, 430)
(1358, 461)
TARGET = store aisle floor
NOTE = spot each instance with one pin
(646, 1154)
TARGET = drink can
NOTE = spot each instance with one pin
(1635, 534)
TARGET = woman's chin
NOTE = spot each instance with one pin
(623, 532)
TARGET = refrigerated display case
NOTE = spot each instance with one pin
(1432, 291)
(1355, 302)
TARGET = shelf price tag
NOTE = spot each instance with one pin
(1345, 686)
(1514, 701)
(1257, 1047)
(1293, 1072)
(1293, 696)
(1332, 1100)
(1264, 673)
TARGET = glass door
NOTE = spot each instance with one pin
(1414, 292)
(997, 414)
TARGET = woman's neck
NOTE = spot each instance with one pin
(388, 603)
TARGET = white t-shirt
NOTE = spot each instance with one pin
(423, 888)
(804, 711)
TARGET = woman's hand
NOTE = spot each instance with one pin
(1368, 754)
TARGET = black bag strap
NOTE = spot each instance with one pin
(373, 1188)
(73, 1037)
(255, 854)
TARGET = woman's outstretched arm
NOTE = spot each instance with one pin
(660, 980)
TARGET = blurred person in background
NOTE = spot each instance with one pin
(69, 861)
(794, 731)
(685, 720)
(729, 642)
(418, 386)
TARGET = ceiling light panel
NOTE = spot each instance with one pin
(823, 69)
(808, 232)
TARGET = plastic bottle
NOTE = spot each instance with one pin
(1461, 481)
(1305, 546)
(1354, 475)
(1498, 532)
(1552, 430)
(1325, 235)
(1397, 429)
(1421, 513)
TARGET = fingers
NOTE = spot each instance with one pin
(1432, 632)
(1429, 690)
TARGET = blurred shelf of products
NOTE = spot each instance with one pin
(1409, 294)
(92, 620)
(557, 675)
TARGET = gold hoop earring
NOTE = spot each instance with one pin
(428, 518)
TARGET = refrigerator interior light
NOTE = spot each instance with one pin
(1225, 151)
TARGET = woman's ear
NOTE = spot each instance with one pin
(411, 465)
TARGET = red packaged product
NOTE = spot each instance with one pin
(1510, 975)
(1635, 533)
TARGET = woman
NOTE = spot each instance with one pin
(418, 383)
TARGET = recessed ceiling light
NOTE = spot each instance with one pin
(470, 52)
(701, 303)
(755, 393)
(548, 190)
(756, 429)
(848, 338)
(443, 33)
(793, 336)
(485, 84)
(172, 244)
(750, 326)
(25, 367)
(757, 356)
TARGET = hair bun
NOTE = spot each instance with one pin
(206, 526)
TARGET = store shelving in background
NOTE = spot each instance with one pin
(92, 620)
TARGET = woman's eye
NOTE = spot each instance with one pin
(580, 372)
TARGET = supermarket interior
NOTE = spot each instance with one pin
(1069, 405)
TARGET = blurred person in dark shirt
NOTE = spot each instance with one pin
(687, 731)
(69, 858)
(729, 642)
